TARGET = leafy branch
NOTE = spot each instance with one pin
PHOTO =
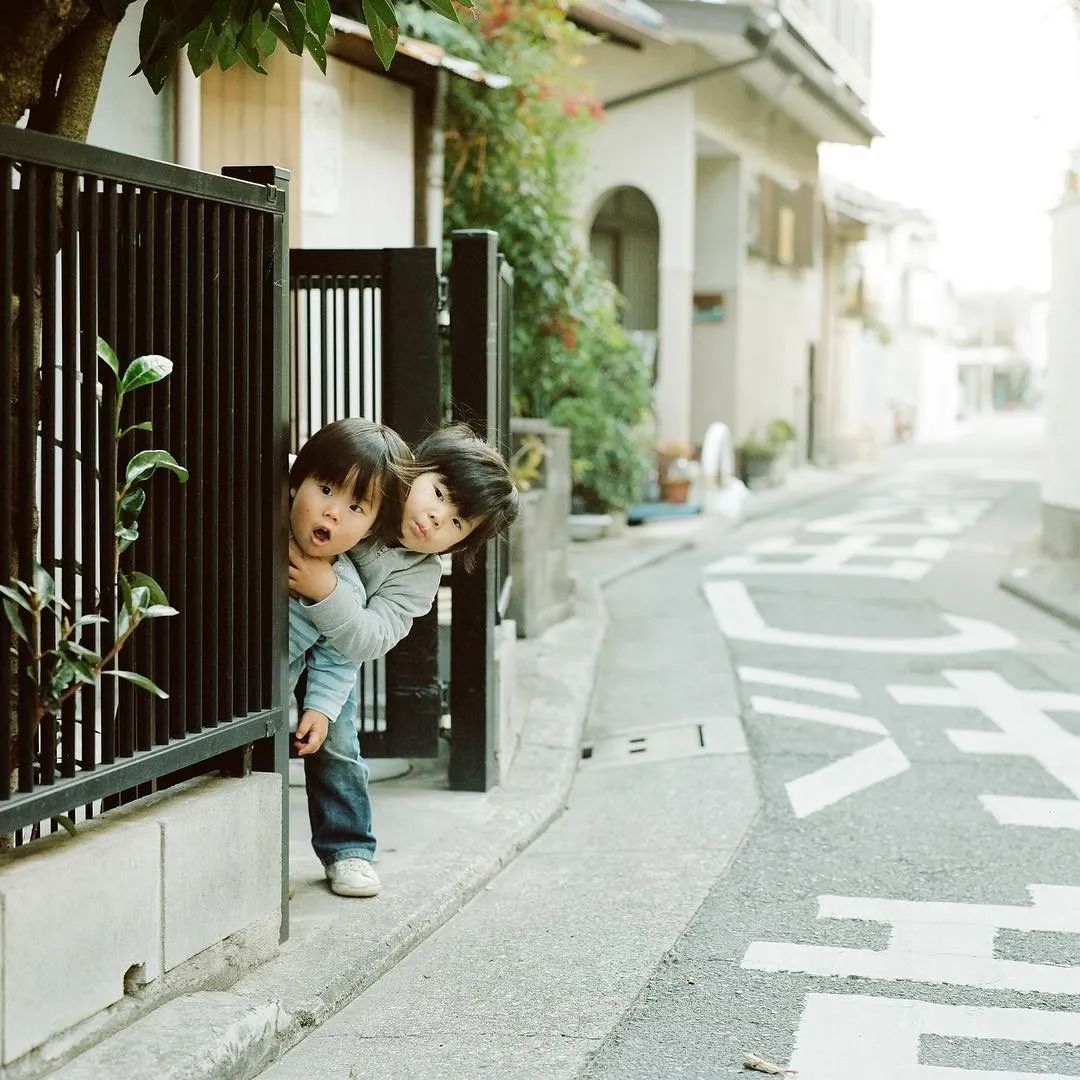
(59, 672)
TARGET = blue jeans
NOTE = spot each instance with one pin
(339, 806)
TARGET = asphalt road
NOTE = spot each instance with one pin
(907, 903)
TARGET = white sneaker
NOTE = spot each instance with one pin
(353, 877)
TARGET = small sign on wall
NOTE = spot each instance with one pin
(709, 307)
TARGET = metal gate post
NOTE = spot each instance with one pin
(410, 405)
(474, 386)
(272, 491)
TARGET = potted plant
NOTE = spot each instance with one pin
(755, 461)
(676, 470)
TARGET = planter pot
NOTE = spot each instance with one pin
(756, 471)
(675, 491)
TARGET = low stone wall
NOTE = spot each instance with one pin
(176, 892)
(540, 538)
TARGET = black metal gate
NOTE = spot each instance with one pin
(366, 342)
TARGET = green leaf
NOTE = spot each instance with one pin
(250, 55)
(318, 16)
(154, 591)
(268, 42)
(44, 585)
(139, 680)
(88, 620)
(15, 598)
(159, 611)
(65, 823)
(130, 506)
(106, 355)
(144, 370)
(226, 54)
(138, 599)
(382, 22)
(315, 50)
(202, 48)
(146, 461)
(283, 34)
(80, 652)
(445, 8)
(145, 425)
(127, 535)
(15, 619)
(295, 21)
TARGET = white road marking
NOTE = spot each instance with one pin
(849, 775)
(940, 943)
(853, 1036)
(768, 677)
(1025, 730)
(794, 710)
(908, 563)
(739, 618)
(940, 520)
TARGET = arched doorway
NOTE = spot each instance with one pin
(625, 238)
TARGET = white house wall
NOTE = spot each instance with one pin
(356, 139)
(128, 116)
(779, 317)
(719, 255)
(650, 145)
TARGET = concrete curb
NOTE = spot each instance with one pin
(235, 1034)
(1039, 597)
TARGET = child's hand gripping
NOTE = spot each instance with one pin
(310, 732)
(313, 579)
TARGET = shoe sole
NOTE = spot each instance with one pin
(366, 891)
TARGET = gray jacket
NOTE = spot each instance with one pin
(400, 586)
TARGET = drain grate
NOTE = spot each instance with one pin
(709, 736)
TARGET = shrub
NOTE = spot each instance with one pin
(512, 163)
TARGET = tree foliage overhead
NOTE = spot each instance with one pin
(52, 52)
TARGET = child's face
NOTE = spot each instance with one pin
(327, 520)
(431, 523)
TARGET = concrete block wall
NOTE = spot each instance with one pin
(90, 919)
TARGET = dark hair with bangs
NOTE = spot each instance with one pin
(477, 480)
(371, 457)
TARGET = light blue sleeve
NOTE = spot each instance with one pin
(330, 680)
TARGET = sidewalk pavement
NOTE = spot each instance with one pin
(1052, 585)
(438, 847)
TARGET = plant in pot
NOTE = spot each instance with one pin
(755, 460)
(780, 434)
(676, 470)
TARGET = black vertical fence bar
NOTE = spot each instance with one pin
(260, 470)
(47, 364)
(352, 361)
(162, 486)
(310, 425)
(108, 292)
(178, 442)
(196, 466)
(88, 446)
(26, 286)
(474, 353)
(410, 405)
(127, 338)
(143, 556)
(226, 498)
(244, 376)
(69, 381)
(211, 484)
(7, 442)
